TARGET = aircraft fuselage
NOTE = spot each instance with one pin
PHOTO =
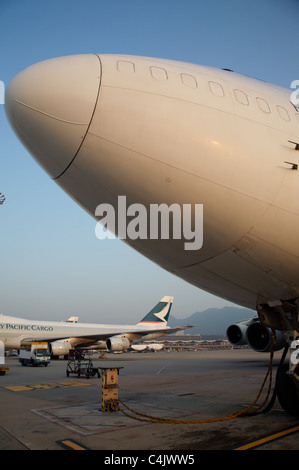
(159, 131)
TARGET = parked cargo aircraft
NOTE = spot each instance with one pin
(63, 336)
(165, 132)
(147, 347)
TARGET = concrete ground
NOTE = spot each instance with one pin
(43, 409)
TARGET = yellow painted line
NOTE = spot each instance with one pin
(48, 386)
(270, 438)
(69, 444)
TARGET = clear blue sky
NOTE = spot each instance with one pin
(52, 264)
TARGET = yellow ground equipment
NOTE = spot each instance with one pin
(110, 388)
(3, 370)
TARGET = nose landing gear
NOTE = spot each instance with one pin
(284, 316)
(287, 382)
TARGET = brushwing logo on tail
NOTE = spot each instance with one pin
(160, 313)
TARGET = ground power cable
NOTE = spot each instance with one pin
(246, 412)
(274, 394)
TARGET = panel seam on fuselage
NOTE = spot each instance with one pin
(92, 115)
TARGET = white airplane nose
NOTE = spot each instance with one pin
(50, 106)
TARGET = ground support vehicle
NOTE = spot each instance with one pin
(35, 354)
(3, 369)
(80, 365)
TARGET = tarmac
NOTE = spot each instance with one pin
(43, 409)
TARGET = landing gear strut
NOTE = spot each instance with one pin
(284, 316)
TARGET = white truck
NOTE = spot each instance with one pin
(35, 354)
(3, 369)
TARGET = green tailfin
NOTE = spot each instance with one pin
(160, 313)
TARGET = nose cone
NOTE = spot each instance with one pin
(50, 106)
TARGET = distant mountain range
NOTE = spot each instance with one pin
(213, 321)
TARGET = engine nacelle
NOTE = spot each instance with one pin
(117, 344)
(259, 338)
(236, 333)
(60, 348)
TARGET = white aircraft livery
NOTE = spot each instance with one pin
(63, 336)
(159, 132)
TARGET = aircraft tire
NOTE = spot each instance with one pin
(287, 392)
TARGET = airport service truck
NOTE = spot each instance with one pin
(35, 354)
(3, 369)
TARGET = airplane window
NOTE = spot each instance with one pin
(283, 113)
(216, 89)
(189, 80)
(125, 67)
(158, 73)
(241, 97)
(263, 105)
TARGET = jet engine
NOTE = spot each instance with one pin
(236, 333)
(259, 338)
(253, 333)
(60, 348)
(117, 343)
